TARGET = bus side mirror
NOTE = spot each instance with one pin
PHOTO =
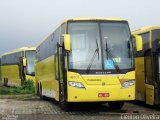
(24, 62)
(138, 40)
(67, 42)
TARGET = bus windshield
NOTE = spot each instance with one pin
(156, 42)
(30, 55)
(112, 39)
(155, 34)
(156, 39)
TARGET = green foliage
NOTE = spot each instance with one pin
(4, 90)
(27, 88)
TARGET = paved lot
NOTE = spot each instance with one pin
(33, 108)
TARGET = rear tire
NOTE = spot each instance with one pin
(5, 82)
(40, 93)
(116, 105)
(38, 90)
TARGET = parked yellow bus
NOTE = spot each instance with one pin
(17, 66)
(147, 64)
(87, 60)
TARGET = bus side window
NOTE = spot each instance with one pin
(57, 77)
(58, 39)
(155, 40)
(134, 46)
(145, 39)
(63, 27)
(56, 51)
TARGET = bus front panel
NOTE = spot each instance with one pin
(94, 88)
(100, 46)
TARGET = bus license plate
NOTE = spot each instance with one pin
(103, 94)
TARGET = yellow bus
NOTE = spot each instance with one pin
(147, 64)
(87, 60)
(17, 66)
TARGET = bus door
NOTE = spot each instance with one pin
(149, 79)
(61, 72)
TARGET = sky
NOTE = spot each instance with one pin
(27, 22)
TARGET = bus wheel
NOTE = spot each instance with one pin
(4, 84)
(6, 81)
(64, 105)
(40, 93)
(116, 105)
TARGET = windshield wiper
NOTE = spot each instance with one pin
(93, 57)
(111, 57)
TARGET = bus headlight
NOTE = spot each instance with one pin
(127, 84)
(76, 84)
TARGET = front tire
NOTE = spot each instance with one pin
(63, 104)
(116, 105)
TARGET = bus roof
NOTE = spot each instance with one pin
(89, 19)
(20, 49)
(145, 29)
(82, 19)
